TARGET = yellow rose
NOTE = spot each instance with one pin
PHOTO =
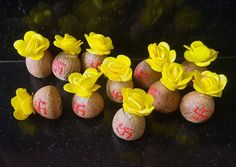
(68, 44)
(159, 55)
(174, 77)
(137, 101)
(99, 44)
(209, 83)
(83, 85)
(34, 45)
(22, 104)
(117, 69)
(200, 54)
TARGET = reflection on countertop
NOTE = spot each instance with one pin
(132, 24)
(169, 140)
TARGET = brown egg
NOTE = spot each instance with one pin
(128, 126)
(196, 107)
(40, 68)
(47, 102)
(64, 64)
(88, 107)
(145, 75)
(113, 89)
(165, 100)
(189, 67)
(91, 60)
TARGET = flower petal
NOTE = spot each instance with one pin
(16, 103)
(19, 115)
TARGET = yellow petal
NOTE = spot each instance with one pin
(124, 59)
(172, 56)
(165, 45)
(28, 35)
(223, 81)
(137, 101)
(70, 88)
(209, 83)
(27, 107)
(99, 44)
(117, 69)
(95, 87)
(22, 94)
(19, 115)
(74, 77)
(155, 66)
(16, 103)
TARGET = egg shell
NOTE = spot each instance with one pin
(47, 102)
(88, 107)
(128, 126)
(113, 89)
(196, 107)
(40, 68)
(91, 60)
(190, 67)
(145, 75)
(165, 100)
(64, 64)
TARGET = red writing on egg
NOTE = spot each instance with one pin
(79, 108)
(116, 94)
(141, 75)
(153, 91)
(58, 67)
(95, 64)
(200, 113)
(40, 106)
(124, 131)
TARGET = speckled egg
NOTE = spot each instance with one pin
(128, 126)
(40, 68)
(196, 107)
(113, 89)
(64, 64)
(88, 107)
(47, 102)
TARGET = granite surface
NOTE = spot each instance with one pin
(169, 140)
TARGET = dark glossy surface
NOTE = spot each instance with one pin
(169, 140)
(131, 24)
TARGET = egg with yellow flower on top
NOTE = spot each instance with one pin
(47, 102)
(86, 102)
(67, 61)
(198, 106)
(129, 123)
(34, 47)
(100, 47)
(119, 74)
(198, 56)
(166, 91)
(149, 71)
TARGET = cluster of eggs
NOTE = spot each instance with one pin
(159, 74)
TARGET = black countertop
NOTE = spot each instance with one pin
(169, 140)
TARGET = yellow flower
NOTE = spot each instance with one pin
(83, 85)
(22, 104)
(117, 69)
(34, 45)
(68, 44)
(174, 77)
(200, 54)
(159, 55)
(99, 44)
(137, 101)
(209, 83)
